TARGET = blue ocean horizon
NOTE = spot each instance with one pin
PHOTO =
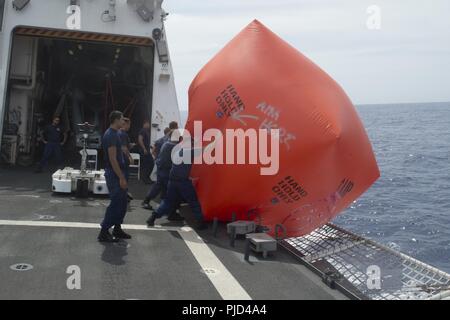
(408, 208)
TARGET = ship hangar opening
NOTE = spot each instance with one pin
(80, 77)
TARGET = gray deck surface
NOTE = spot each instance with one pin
(155, 264)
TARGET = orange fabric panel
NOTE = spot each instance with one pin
(326, 159)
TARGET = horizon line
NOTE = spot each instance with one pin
(381, 104)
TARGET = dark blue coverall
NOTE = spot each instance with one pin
(125, 142)
(159, 143)
(147, 162)
(163, 164)
(117, 208)
(180, 188)
(53, 135)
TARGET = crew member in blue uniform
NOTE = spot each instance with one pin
(115, 180)
(160, 142)
(147, 161)
(54, 138)
(164, 165)
(161, 187)
(126, 146)
(180, 189)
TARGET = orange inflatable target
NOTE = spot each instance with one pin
(325, 157)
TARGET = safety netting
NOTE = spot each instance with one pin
(372, 270)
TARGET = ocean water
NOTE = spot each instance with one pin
(408, 208)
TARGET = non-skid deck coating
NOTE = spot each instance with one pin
(171, 261)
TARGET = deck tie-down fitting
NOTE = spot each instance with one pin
(240, 227)
(256, 239)
(263, 243)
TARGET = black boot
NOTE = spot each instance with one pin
(105, 236)
(151, 221)
(120, 234)
(175, 217)
(146, 205)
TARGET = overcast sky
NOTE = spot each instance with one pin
(406, 60)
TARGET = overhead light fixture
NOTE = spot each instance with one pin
(112, 10)
(73, 4)
(164, 15)
(20, 4)
(146, 8)
(161, 45)
(145, 13)
(156, 33)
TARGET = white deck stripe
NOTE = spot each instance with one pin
(224, 282)
(60, 224)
